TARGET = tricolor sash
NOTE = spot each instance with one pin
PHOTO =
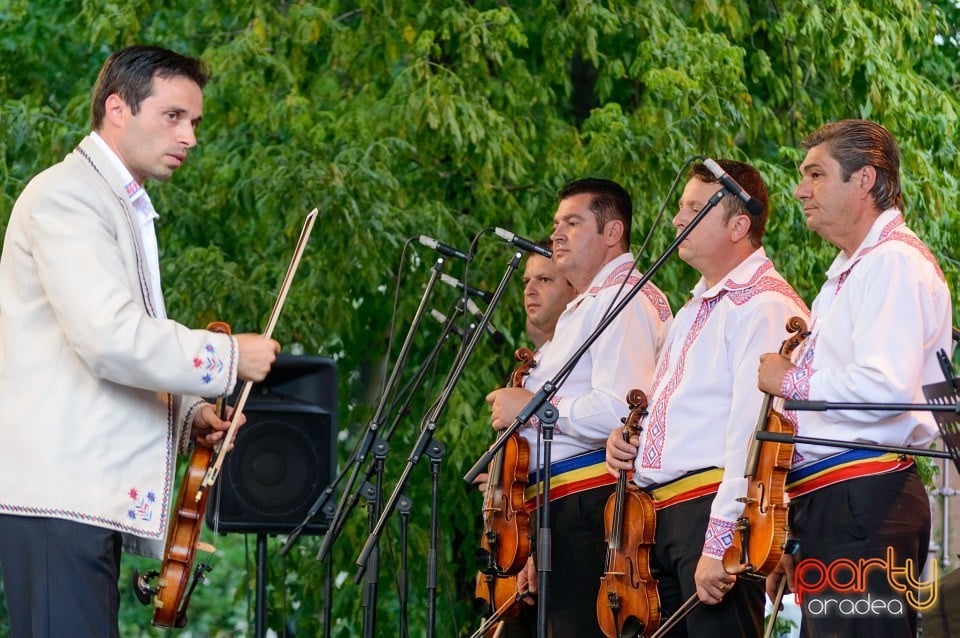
(842, 467)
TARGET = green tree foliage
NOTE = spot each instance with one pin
(445, 118)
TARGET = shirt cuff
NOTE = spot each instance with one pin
(718, 538)
(186, 432)
(795, 384)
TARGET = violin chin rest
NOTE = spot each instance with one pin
(141, 589)
(632, 628)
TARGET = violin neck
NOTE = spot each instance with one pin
(753, 454)
(616, 524)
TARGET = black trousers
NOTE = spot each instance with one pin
(60, 578)
(676, 552)
(579, 550)
(874, 517)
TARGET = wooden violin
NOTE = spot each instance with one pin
(174, 582)
(628, 604)
(505, 543)
(761, 530)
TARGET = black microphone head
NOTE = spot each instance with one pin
(754, 207)
(498, 338)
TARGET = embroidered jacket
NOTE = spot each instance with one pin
(90, 375)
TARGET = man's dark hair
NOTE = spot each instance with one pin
(610, 201)
(858, 143)
(129, 73)
(750, 180)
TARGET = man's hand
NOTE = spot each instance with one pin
(773, 367)
(620, 453)
(783, 570)
(256, 356)
(208, 428)
(481, 481)
(527, 582)
(505, 404)
(712, 581)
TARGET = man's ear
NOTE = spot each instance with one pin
(115, 109)
(867, 180)
(739, 227)
(613, 232)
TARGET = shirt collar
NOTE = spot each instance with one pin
(736, 278)
(134, 190)
(598, 281)
(876, 233)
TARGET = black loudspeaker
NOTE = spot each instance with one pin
(284, 456)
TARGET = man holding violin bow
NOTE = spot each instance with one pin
(703, 407)
(98, 387)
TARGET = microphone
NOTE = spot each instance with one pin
(456, 283)
(495, 334)
(442, 318)
(522, 244)
(443, 249)
(754, 207)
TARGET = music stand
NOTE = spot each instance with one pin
(946, 393)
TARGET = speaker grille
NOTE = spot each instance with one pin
(279, 467)
(284, 456)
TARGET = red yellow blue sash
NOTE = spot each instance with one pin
(569, 476)
(686, 488)
(843, 467)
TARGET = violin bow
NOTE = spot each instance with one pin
(689, 605)
(771, 624)
(498, 614)
(214, 471)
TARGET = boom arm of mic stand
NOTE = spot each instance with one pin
(779, 437)
(821, 406)
(551, 386)
(430, 419)
(367, 442)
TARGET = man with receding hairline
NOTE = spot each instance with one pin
(877, 325)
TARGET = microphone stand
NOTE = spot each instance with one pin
(380, 448)
(404, 506)
(429, 423)
(547, 414)
(367, 442)
(407, 391)
(435, 453)
(368, 598)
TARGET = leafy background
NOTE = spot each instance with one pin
(399, 118)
